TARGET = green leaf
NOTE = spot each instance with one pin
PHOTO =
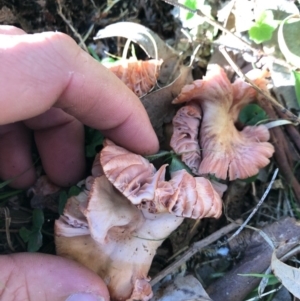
(252, 114)
(7, 194)
(94, 54)
(63, 197)
(94, 139)
(34, 237)
(5, 183)
(160, 154)
(177, 164)
(297, 85)
(37, 219)
(272, 279)
(25, 234)
(192, 4)
(35, 241)
(263, 28)
(74, 190)
(250, 179)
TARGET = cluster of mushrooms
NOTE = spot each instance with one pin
(128, 208)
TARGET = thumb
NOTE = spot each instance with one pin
(41, 277)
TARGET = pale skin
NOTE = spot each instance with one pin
(50, 87)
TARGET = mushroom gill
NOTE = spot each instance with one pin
(139, 76)
(115, 232)
(184, 141)
(226, 151)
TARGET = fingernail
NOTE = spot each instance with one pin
(84, 297)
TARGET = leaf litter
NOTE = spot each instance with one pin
(163, 36)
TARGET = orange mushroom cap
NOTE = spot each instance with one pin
(139, 76)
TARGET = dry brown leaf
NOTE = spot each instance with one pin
(7, 16)
(287, 275)
(158, 104)
(182, 288)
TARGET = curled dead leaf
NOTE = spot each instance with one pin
(158, 104)
(148, 40)
(287, 275)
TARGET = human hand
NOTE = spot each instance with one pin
(41, 277)
(51, 86)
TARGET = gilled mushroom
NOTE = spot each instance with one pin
(139, 76)
(115, 232)
(184, 195)
(225, 150)
(185, 137)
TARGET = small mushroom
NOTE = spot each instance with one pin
(226, 151)
(139, 76)
(185, 137)
(115, 232)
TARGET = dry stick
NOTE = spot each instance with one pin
(292, 131)
(69, 23)
(196, 247)
(274, 102)
(7, 225)
(281, 155)
(256, 207)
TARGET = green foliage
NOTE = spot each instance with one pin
(263, 28)
(93, 141)
(160, 154)
(192, 4)
(7, 194)
(177, 164)
(94, 54)
(106, 60)
(34, 237)
(4, 183)
(272, 280)
(252, 114)
(74, 190)
(250, 179)
(63, 197)
(297, 85)
(62, 201)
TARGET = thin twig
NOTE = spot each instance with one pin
(194, 249)
(282, 153)
(274, 102)
(292, 131)
(256, 207)
(88, 33)
(69, 23)
(256, 52)
(7, 225)
(213, 23)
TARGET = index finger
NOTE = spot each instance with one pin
(47, 69)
